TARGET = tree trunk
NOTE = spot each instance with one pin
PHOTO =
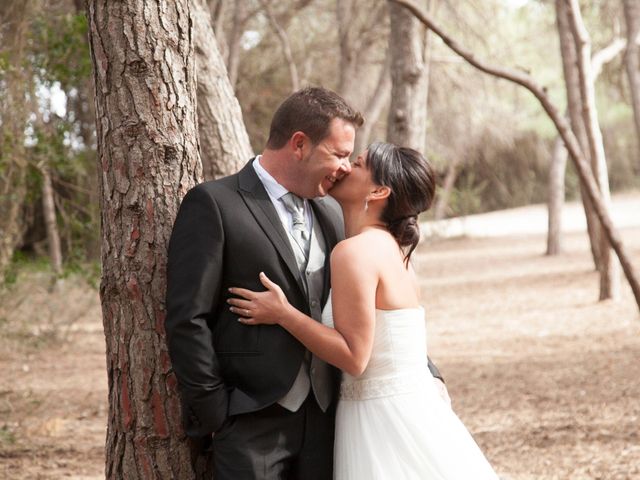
(574, 106)
(444, 195)
(224, 142)
(50, 221)
(233, 43)
(573, 146)
(284, 44)
(556, 196)
(632, 62)
(407, 123)
(609, 267)
(14, 17)
(346, 72)
(144, 73)
(374, 108)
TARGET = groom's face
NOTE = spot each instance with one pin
(328, 161)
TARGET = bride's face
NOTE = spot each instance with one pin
(355, 187)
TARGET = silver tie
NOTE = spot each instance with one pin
(295, 206)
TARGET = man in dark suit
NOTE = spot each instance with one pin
(268, 400)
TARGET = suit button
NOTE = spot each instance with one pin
(314, 303)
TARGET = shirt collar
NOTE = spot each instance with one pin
(271, 185)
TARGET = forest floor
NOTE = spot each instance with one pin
(546, 378)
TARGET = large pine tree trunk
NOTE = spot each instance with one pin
(407, 123)
(224, 142)
(632, 61)
(609, 267)
(143, 58)
(574, 107)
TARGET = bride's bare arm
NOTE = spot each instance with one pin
(354, 281)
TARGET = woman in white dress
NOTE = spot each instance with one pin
(391, 421)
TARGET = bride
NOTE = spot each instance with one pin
(391, 421)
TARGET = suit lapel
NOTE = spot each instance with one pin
(327, 223)
(257, 200)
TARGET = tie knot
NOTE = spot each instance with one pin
(293, 203)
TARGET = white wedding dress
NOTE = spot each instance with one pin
(391, 422)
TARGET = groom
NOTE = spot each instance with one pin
(268, 400)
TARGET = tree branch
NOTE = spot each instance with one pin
(562, 126)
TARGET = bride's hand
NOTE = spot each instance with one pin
(259, 308)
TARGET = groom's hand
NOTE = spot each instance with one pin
(442, 389)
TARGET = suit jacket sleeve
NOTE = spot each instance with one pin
(194, 274)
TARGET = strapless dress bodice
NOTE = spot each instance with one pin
(398, 362)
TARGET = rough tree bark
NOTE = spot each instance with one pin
(632, 61)
(574, 106)
(144, 73)
(407, 123)
(571, 142)
(609, 267)
(556, 197)
(224, 142)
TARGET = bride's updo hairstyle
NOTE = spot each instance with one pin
(412, 182)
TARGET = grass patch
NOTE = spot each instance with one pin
(7, 437)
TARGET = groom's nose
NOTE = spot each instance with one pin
(345, 166)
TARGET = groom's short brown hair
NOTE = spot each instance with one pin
(310, 111)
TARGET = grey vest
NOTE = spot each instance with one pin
(314, 373)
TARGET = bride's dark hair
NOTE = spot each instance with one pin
(412, 182)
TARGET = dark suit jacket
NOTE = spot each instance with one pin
(226, 232)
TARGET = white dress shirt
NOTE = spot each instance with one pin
(276, 192)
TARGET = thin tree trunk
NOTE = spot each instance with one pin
(556, 196)
(632, 62)
(284, 44)
(557, 168)
(347, 72)
(51, 224)
(609, 267)
(14, 18)
(224, 142)
(563, 127)
(233, 43)
(574, 106)
(444, 195)
(374, 108)
(407, 123)
(144, 73)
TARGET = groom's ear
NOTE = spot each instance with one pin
(299, 143)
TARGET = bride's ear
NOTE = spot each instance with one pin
(379, 193)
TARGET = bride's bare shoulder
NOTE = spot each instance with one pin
(366, 245)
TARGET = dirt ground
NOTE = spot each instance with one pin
(546, 378)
